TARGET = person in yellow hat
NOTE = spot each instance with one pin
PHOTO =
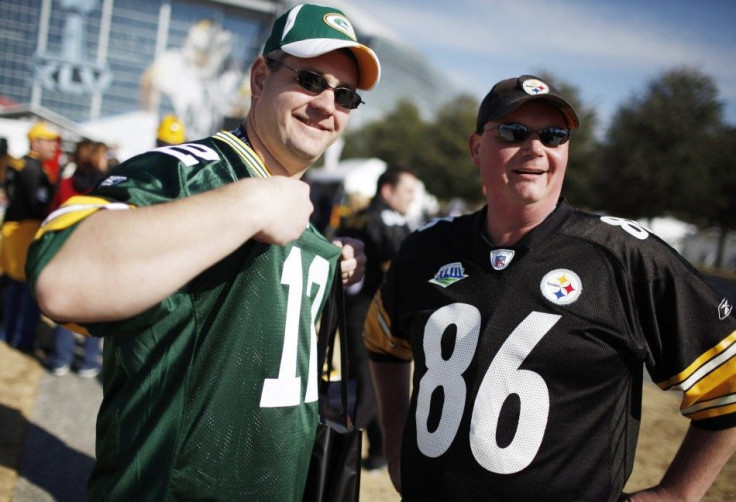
(171, 131)
(29, 191)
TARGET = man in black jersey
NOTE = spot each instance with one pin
(198, 265)
(529, 324)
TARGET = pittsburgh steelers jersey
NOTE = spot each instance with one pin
(529, 358)
(211, 394)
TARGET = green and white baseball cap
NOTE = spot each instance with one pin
(308, 31)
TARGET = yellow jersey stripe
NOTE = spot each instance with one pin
(377, 333)
(246, 153)
(708, 384)
(703, 365)
(711, 408)
(712, 412)
(717, 385)
(75, 210)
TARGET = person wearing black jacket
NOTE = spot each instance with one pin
(382, 226)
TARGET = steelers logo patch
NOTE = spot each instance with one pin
(561, 286)
(534, 87)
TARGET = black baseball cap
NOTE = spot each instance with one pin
(507, 95)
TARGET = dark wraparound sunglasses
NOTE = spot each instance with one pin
(518, 133)
(316, 84)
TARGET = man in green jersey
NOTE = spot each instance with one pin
(198, 265)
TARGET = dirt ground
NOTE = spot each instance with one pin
(19, 377)
(662, 429)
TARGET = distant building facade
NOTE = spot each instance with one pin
(90, 61)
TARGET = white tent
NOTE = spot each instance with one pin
(127, 134)
(356, 175)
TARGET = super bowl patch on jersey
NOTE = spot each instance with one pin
(561, 286)
(449, 274)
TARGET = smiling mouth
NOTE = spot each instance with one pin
(529, 171)
(312, 124)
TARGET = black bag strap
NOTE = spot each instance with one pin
(332, 326)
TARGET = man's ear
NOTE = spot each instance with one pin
(258, 73)
(474, 142)
(386, 190)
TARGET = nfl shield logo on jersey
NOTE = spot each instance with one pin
(561, 286)
(500, 258)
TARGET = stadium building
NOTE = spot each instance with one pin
(108, 69)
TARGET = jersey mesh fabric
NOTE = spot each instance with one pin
(181, 417)
(527, 380)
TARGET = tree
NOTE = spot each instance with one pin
(437, 150)
(655, 151)
(712, 192)
(395, 139)
(446, 168)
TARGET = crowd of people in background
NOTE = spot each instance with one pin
(30, 184)
(30, 188)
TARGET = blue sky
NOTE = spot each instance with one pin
(608, 50)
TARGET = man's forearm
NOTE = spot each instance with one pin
(696, 465)
(119, 263)
(391, 381)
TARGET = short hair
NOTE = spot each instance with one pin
(392, 175)
(273, 58)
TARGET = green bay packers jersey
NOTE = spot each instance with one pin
(529, 358)
(211, 394)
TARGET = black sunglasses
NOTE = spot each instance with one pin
(316, 83)
(518, 133)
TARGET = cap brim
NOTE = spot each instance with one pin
(567, 110)
(368, 66)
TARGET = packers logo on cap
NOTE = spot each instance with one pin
(340, 23)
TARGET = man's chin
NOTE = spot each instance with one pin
(311, 151)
